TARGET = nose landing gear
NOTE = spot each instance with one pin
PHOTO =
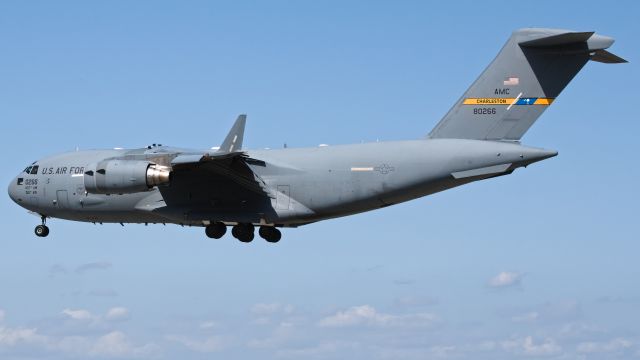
(42, 230)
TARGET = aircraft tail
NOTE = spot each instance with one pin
(521, 82)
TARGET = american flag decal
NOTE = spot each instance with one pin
(511, 81)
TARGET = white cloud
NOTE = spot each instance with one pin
(529, 317)
(98, 265)
(57, 269)
(561, 311)
(208, 325)
(505, 279)
(527, 346)
(103, 293)
(573, 330)
(78, 314)
(111, 344)
(281, 334)
(113, 314)
(15, 336)
(322, 350)
(265, 312)
(116, 344)
(367, 315)
(614, 345)
(417, 352)
(442, 351)
(117, 313)
(415, 301)
(271, 308)
(206, 345)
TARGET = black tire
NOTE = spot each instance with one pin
(243, 232)
(246, 237)
(215, 230)
(276, 235)
(270, 234)
(41, 230)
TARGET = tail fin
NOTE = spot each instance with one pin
(521, 82)
(233, 141)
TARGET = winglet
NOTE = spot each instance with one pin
(233, 141)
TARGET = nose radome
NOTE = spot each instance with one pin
(13, 190)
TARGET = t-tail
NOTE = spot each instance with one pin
(526, 76)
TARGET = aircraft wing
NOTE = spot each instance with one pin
(216, 184)
(230, 165)
(227, 162)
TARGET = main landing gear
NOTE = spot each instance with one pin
(42, 230)
(270, 233)
(215, 230)
(243, 232)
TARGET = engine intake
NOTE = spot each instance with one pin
(124, 176)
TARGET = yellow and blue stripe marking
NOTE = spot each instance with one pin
(508, 101)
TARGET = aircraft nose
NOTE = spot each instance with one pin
(13, 190)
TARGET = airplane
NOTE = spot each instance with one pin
(478, 139)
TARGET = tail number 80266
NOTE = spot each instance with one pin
(484, 111)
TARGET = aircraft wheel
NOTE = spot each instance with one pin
(215, 230)
(243, 232)
(42, 230)
(270, 233)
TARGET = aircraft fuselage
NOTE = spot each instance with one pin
(305, 184)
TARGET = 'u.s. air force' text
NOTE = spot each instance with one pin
(62, 170)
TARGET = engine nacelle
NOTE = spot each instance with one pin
(124, 176)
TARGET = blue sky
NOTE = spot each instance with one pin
(538, 264)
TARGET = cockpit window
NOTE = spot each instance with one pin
(34, 170)
(28, 169)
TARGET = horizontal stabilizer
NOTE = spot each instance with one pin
(560, 39)
(606, 57)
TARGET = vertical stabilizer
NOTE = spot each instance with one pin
(526, 76)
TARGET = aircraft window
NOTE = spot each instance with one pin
(28, 170)
(34, 170)
(90, 173)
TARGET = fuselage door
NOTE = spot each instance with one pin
(62, 198)
(282, 200)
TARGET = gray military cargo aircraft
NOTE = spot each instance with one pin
(479, 138)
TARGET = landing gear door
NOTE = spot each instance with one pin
(282, 200)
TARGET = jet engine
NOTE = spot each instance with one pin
(124, 176)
